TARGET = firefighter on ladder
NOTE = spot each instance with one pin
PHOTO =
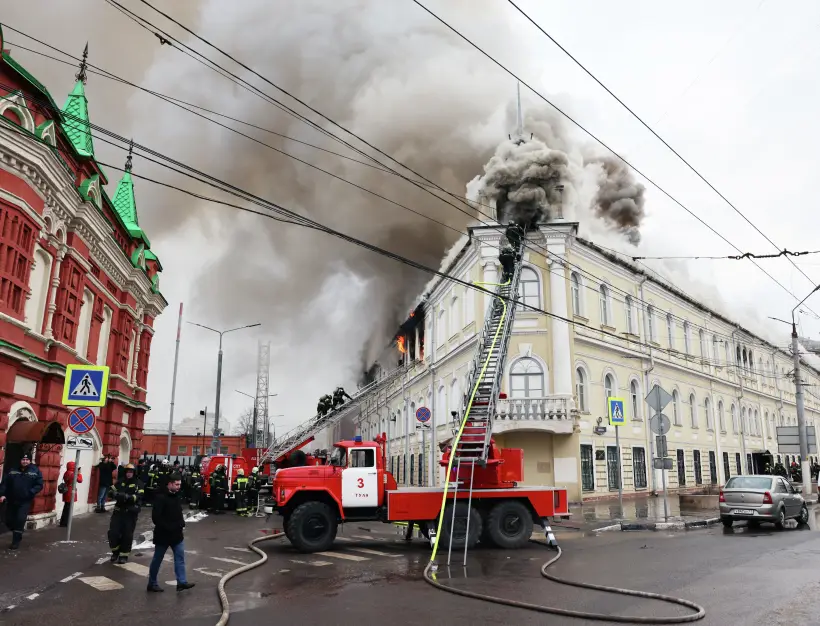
(240, 487)
(325, 405)
(126, 495)
(339, 397)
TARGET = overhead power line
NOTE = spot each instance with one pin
(662, 140)
(735, 257)
(595, 137)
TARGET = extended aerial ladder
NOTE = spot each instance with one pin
(307, 431)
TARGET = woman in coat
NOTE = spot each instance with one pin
(68, 479)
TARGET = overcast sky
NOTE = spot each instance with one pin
(730, 85)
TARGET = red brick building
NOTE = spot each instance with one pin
(78, 284)
(188, 445)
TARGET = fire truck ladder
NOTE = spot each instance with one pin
(471, 444)
(312, 427)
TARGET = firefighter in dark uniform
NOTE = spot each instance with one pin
(126, 495)
(240, 487)
(515, 235)
(254, 484)
(507, 259)
(325, 405)
(151, 485)
(219, 487)
(339, 397)
(18, 490)
(195, 482)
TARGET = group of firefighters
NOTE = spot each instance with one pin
(329, 403)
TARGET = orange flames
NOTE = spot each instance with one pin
(400, 344)
(412, 314)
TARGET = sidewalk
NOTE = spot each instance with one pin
(45, 558)
(637, 514)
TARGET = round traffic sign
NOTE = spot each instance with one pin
(81, 420)
(423, 414)
(660, 424)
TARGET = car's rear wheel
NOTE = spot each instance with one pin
(803, 518)
(780, 523)
(727, 522)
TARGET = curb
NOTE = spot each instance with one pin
(642, 526)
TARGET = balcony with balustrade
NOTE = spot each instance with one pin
(552, 414)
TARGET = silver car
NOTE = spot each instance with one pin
(758, 499)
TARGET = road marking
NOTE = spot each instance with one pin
(237, 549)
(224, 560)
(347, 557)
(72, 577)
(371, 538)
(374, 552)
(9, 608)
(343, 539)
(32, 596)
(208, 572)
(101, 583)
(284, 571)
(136, 568)
(314, 563)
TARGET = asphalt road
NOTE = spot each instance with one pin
(372, 575)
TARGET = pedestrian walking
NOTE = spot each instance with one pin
(168, 533)
(68, 481)
(105, 468)
(17, 490)
(240, 487)
(126, 495)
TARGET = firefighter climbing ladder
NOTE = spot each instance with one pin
(471, 443)
(304, 432)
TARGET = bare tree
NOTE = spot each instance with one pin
(244, 423)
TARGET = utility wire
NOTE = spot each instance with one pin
(737, 257)
(175, 102)
(593, 136)
(151, 26)
(661, 139)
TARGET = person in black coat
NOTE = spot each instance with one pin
(106, 469)
(18, 489)
(168, 533)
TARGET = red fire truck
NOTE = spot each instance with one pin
(232, 465)
(356, 486)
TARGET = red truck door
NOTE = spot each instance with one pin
(360, 485)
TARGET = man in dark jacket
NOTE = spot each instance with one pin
(18, 489)
(126, 494)
(168, 524)
(106, 469)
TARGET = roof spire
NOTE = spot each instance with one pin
(130, 154)
(80, 76)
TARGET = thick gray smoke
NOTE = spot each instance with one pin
(620, 198)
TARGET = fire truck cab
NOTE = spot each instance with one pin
(355, 486)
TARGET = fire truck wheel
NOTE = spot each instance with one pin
(461, 533)
(509, 525)
(312, 527)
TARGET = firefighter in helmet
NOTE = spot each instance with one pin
(254, 484)
(219, 487)
(339, 397)
(126, 495)
(240, 487)
(515, 235)
(325, 405)
(507, 258)
(195, 486)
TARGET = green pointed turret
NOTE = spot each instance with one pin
(126, 206)
(77, 122)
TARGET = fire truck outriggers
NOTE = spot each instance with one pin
(356, 486)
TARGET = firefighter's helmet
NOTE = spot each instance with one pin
(130, 466)
(240, 472)
(255, 470)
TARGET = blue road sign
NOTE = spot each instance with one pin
(616, 412)
(85, 385)
(81, 420)
(423, 414)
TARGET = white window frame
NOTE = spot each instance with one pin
(693, 410)
(687, 338)
(526, 376)
(609, 389)
(670, 331)
(605, 307)
(575, 293)
(721, 417)
(526, 298)
(707, 408)
(676, 419)
(653, 331)
(582, 389)
(454, 315)
(630, 320)
(635, 399)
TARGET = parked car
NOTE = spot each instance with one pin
(758, 499)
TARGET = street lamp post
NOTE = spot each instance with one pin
(215, 441)
(255, 413)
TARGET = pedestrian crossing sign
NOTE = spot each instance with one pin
(616, 411)
(85, 385)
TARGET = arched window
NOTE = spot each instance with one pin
(715, 354)
(39, 284)
(707, 409)
(603, 293)
(581, 389)
(441, 328)
(702, 341)
(693, 411)
(630, 322)
(745, 360)
(670, 331)
(455, 321)
(744, 421)
(721, 420)
(609, 386)
(687, 338)
(529, 288)
(634, 399)
(105, 334)
(455, 398)
(676, 407)
(739, 360)
(84, 328)
(575, 290)
(653, 331)
(733, 411)
(526, 379)
(751, 362)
